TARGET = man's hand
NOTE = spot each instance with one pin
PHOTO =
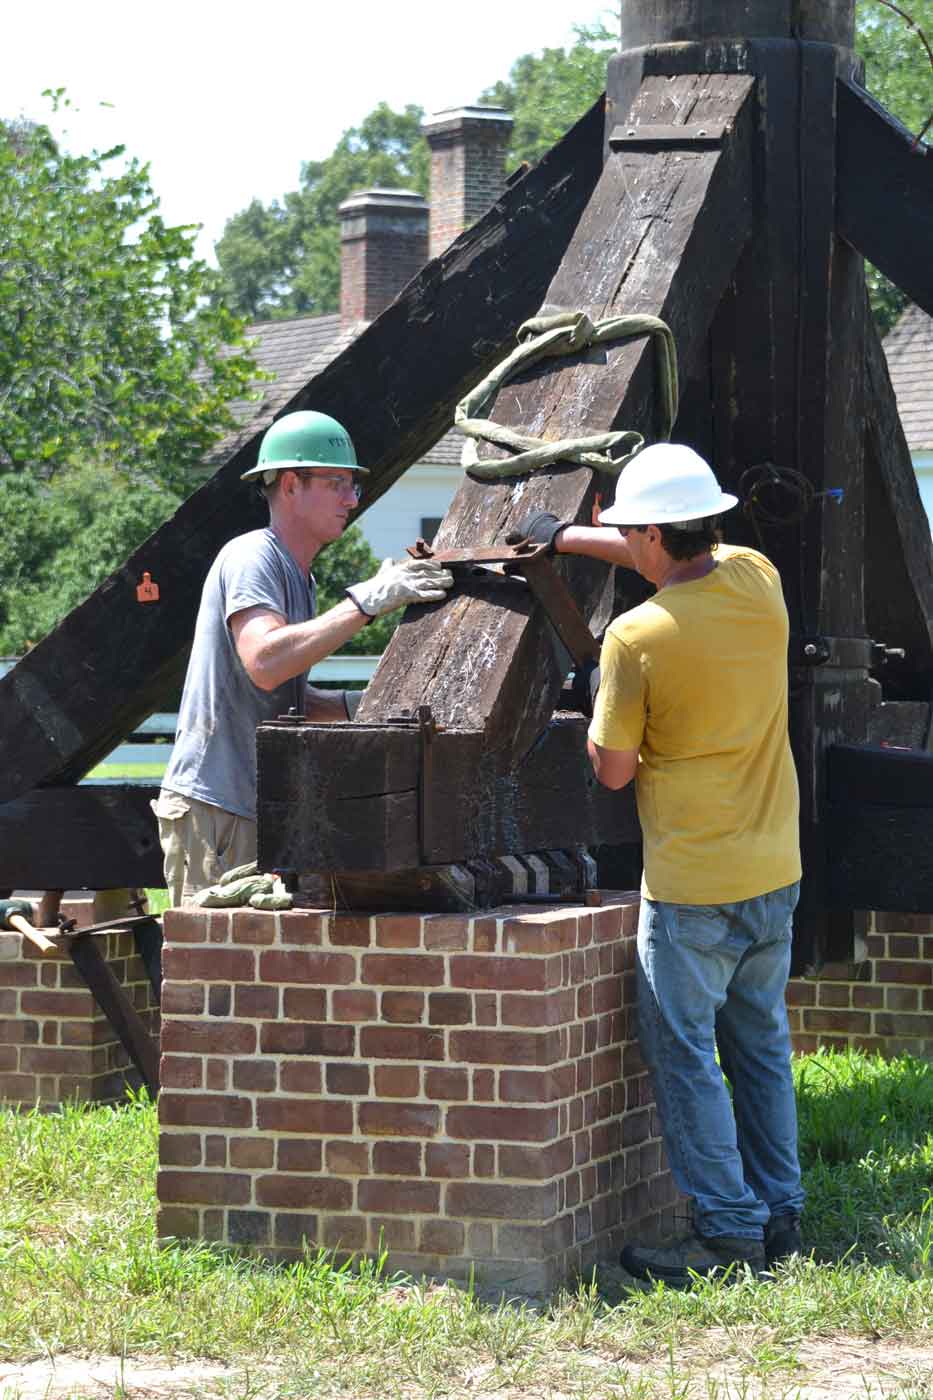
(397, 584)
(540, 528)
(584, 683)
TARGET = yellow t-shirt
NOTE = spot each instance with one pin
(695, 679)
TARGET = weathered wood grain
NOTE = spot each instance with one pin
(673, 21)
(93, 836)
(345, 798)
(885, 193)
(660, 235)
(111, 661)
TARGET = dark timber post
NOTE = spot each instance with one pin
(783, 383)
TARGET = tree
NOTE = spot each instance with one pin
(116, 372)
(109, 349)
(547, 92)
(283, 259)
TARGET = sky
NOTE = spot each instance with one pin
(226, 100)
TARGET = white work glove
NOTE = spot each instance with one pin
(397, 584)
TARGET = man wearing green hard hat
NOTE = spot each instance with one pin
(257, 636)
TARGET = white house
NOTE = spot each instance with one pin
(909, 351)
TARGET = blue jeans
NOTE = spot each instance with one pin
(714, 976)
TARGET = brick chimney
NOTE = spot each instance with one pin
(383, 244)
(468, 147)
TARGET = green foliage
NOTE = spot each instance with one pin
(899, 76)
(109, 350)
(283, 259)
(549, 91)
(116, 372)
(60, 538)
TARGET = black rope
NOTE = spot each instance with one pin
(776, 497)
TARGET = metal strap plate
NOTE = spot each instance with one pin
(653, 137)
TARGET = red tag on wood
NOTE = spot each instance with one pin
(147, 591)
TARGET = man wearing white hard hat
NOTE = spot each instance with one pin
(256, 638)
(692, 705)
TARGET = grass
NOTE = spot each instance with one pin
(80, 1272)
(115, 771)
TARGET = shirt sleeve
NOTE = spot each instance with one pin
(252, 580)
(621, 701)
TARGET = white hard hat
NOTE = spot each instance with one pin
(666, 484)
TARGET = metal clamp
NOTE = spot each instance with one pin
(653, 137)
(532, 563)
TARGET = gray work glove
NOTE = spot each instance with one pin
(351, 701)
(539, 528)
(400, 583)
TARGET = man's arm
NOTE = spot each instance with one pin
(595, 542)
(614, 768)
(273, 650)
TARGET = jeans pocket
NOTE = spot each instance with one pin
(700, 926)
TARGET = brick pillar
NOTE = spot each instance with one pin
(466, 1091)
(468, 150)
(881, 1002)
(55, 1042)
(383, 244)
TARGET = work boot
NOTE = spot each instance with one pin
(706, 1255)
(782, 1238)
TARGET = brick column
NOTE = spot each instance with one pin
(468, 149)
(881, 1002)
(466, 1091)
(55, 1042)
(383, 245)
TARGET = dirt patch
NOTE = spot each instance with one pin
(840, 1368)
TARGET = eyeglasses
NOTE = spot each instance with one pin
(340, 485)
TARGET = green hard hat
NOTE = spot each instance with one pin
(306, 439)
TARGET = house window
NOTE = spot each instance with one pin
(430, 524)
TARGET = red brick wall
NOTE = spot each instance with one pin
(383, 245)
(55, 1043)
(466, 1090)
(880, 1002)
(467, 171)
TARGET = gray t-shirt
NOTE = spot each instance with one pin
(214, 758)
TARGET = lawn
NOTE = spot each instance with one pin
(80, 1273)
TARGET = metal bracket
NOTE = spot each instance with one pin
(653, 137)
(532, 563)
(426, 732)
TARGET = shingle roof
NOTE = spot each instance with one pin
(294, 351)
(909, 351)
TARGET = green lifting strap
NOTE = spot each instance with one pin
(567, 333)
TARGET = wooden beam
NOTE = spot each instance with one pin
(885, 193)
(647, 22)
(346, 797)
(112, 660)
(92, 836)
(661, 235)
(783, 384)
(880, 829)
(113, 1000)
